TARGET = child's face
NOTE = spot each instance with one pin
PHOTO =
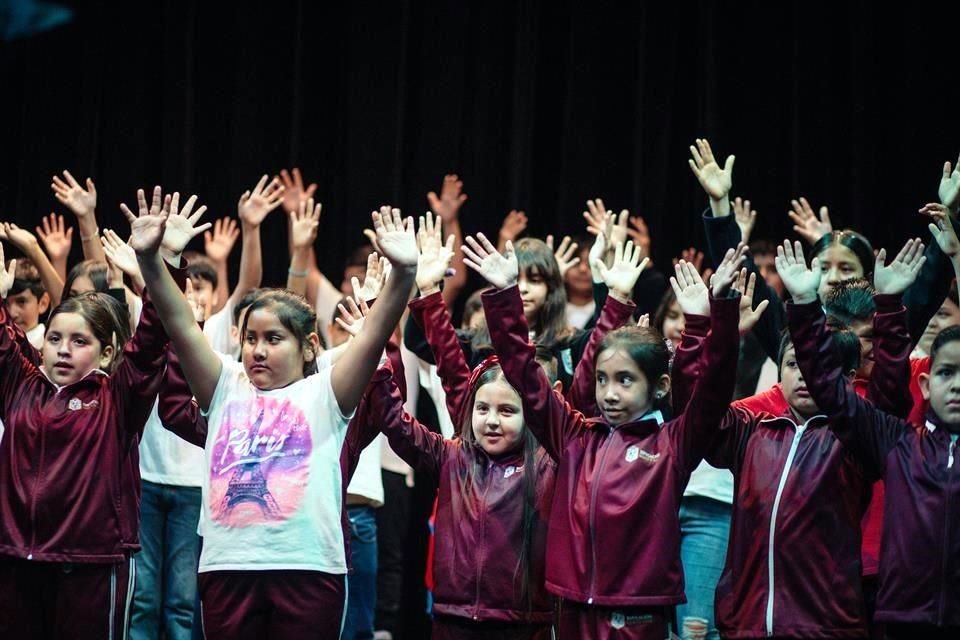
(947, 316)
(533, 292)
(578, 278)
(70, 350)
(794, 388)
(497, 418)
(204, 295)
(941, 387)
(864, 331)
(623, 391)
(81, 284)
(837, 263)
(272, 356)
(673, 323)
(26, 308)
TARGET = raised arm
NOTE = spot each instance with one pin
(57, 240)
(83, 203)
(396, 240)
(14, 364)
(870, 432)
(304, 222)
(546, 413)
(27, 243)
(179, 412)
(217, 245)
(446, 208)
(159, 229)
(252, 209)
(617, 311)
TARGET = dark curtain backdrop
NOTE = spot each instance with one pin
(536, 105)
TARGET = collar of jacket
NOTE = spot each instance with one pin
(935, 424)
(649, 423)
(93, 373)
(788, 419)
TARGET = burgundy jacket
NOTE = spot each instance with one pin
(479, 524)
(69, 473)
(920, 555)
(614, 534)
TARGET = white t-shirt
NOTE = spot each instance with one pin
(272, 486)
(578, 315)
(35, 336)
(217, 329)
(166, 458)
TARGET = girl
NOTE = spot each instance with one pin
(919, 570)
(68, 464)
(613, 540)
(273, 558)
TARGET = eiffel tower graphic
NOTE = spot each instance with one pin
(248, 483)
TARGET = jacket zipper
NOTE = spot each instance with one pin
(36, 490)
(773, 523)
(945, 557)
(482, 506)
(593, 514)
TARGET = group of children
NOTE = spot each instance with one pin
(600, 482)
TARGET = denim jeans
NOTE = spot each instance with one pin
(167, 563)
(704, 530)
(362, 585)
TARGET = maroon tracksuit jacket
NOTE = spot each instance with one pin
(920, 554)
(614, 533)
(69, 476)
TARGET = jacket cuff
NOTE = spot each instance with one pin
(696, 325)
(502, 298)
(621, 308)
(888, 303)
(426, 302)
(803, 312)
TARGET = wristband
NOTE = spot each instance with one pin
(298, 274)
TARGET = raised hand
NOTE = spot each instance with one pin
(294, 193)
(57, 238)
(566, 254)
(196, 306)
(894, 278)
(748, 315)
(373, 280)
(352, 316)
(148, 226)
(949, 190)
(120, 253)
(627, 267)
(218, 242)
(692, 294)
(68, 191)
(726, 273)
(395, 237)
(304, 222)
(20, 238)
(942, 228)
(7, 274)
(800, 281)
(513, 225)
(640, 234)
(254, 206)
(806, 224)
(596, 217)
(694, 257)
(745, 217)
(715, 181)
(644, 321)
(435, 255)
(500, 270)
(447, 205)
(181, 224)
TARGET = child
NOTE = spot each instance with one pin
(273, 558)
(919, 574)
(613, 541)
(69, 465)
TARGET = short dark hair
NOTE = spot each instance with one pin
(844, 342)
(948, 335)
(93, 269)
(851, 300)
(200, 268)
(27, 277)
(243, 303)
(548, 360)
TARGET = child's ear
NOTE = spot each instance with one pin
(852, 374)
(662, 388)
(312, 349)
(43, 304)
(558, 386)
(923, 380)
(106, 356)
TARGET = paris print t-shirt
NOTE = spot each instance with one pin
(272, 486)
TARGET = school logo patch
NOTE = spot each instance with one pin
(617, 619)
(509, 471)
(633, 452)
(75, 404)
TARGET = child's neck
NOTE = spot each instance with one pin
(579, 299)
